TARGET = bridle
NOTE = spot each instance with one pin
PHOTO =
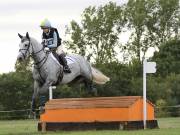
(26, 50)
(33, 53)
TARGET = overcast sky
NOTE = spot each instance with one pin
(21, 16)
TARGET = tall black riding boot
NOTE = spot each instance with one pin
(56, 55)
(64, 63)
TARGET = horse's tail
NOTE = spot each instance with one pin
(98, 76)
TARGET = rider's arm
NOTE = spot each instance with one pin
(43, 41)
(54, 41)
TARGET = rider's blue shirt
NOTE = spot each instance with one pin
(50, 39)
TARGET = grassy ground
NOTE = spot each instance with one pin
(168, 126)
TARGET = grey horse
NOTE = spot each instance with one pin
(47, 71)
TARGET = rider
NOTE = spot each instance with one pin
(51, 39)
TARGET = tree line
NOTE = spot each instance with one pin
(150, 24)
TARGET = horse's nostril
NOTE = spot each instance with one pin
(20, 59)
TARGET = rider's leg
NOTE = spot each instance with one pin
(55, 55)
(64, 63)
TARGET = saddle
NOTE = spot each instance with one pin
(62, 60)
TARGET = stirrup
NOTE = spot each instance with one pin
(67, 69)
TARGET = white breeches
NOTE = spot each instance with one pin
(59, 50)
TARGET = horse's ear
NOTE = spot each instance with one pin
(27, 35)
(20, 35)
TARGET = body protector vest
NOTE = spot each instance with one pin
(48, 39)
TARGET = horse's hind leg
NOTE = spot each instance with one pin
(34, 98)
(89, 86)
(86, 72)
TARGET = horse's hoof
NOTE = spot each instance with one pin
(41, 110)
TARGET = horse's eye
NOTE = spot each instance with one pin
(26, 45)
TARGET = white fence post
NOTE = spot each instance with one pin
(148, 67)
(144, 94)
(51, 92)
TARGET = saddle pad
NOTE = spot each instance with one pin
(70, 60)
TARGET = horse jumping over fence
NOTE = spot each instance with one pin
(48, 71)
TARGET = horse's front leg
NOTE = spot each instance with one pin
(43, 92)
(45, 87)
(34, 96)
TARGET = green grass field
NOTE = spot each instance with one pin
(168, 126)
